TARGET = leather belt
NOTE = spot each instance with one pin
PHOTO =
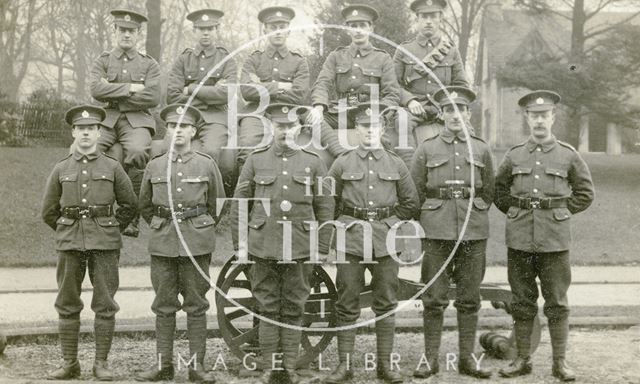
(449, 193)
(370, 214)
(181, 213)
(538, 203)
(87, 211)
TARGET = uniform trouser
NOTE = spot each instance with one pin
(173, 276)
(281, 290)
(136, 143)
(350, 284)
(554, 271)
(103, 273)
(405, 134)
(466, 268)
(211, 138)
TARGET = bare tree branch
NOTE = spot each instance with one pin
(589, 35)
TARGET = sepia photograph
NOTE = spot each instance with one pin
(320, 191)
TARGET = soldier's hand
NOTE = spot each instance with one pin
(136, 88)
(104, 80)
(316, 115)
(415, 107)
(185, 91)
(285, 86)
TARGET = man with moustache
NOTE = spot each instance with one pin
(373, 188)
(540, 184)
(275, 74)
(79, 205)
(352, 70)
(211, 98)
(442, 168)
(195, 183)
(440, 55)
(129, 82)
(286, 176)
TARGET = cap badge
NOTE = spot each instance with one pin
(454, 95)
(127, 18)
(285, 109)
(279, 14)
(307, 169)
(355, 12)
(429, 2)
(85, 114)
(179, 110)
(368, 112)
(539, 100)
(205, 17)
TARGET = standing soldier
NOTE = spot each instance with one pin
(195, 184)
(129, 82)
(276, 72)
(78, 205)
(373, 188)
(211, 98)
(442, 168)
(539, 185)
(441, 57)
(287, 177)
(353, 71)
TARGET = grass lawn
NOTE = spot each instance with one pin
(607, 233)
(589, 353)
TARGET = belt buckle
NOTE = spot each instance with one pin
(83, 211)
(534, 204)
(372, 215)
(456, 193)
(179, 213)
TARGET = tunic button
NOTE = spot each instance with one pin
(537, 176)
(535, 190)
(371, 203)
(457, 153)
(189, 76)
(457, 167)
(284, 217)
(84, 171)
(104, 177)
(352, 89)
(370, 158)
(537, 163)
(371, 172)
(284, 159)
(84, 200)
(353, 77)
(124, 71)
(202, 56)
(352, 176)
(179, 173)
(275, 69)
(109, 223)
(179, 160)
(356, 65)
(284, 172)
(202, 68)
(275, 58)
(180, 205)
(455, 141)
(179, 220)
(428, 81)
(84, 161)
(84, 185)
(285, 187)
(125, 59)
(371, 187)
(538, 149)
(179, 189)
(84, 216)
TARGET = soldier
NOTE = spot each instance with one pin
(373, 188)
(78, 205)
(129, 82)
(287, 176)
(195, 183)
(540, 184)
(211, 98)
(352, 70)
(276, 72)
(442, 168)
(441, 56)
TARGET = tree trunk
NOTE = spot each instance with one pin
(153, 45)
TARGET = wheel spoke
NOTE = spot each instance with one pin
(246, 337)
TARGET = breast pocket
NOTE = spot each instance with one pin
(387, 184)
(264, 184)
(437, 170)
(102, 190)
(372, 75)
(352, 177)
(286, 76)
(195, 188)
(303, 186)
(478, 166)
(443, 72)
(159, 185)
(343, 78)
(521, 179)
(556, 183)
(69, 181)
(138, 75)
